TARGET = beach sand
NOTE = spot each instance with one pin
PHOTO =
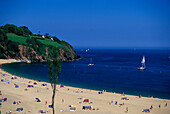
(65, 96)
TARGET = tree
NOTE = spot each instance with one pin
(47, 34)
(54, 72)
(3, 36)
(13, 46)
(56, 39)
(9, 28)
(26, 31)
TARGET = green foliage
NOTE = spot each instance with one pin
(26, 30)
(49, 42)
(56, 39)
(2, 56)
(9, 28)
(54, 72)
(18, 39)
(21, 31)
(2, 50)
(65, 43)
(38, 35)
(3, 36)
(12, 46)
(11, 54)
(11, 36)
(36, 45)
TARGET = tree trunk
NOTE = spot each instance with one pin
(54, 89)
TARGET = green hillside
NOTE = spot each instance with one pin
(15, 38)
(22, 40)
(21, 43)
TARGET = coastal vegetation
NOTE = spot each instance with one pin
(21, 43)
(54, 72)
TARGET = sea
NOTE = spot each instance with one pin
(114, 70)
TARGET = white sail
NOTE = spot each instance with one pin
(143, 60)
(143, 64)
(90, 63)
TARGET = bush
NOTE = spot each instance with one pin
(12, 46)
(3, 36)
(56, 39)
(2, 56)
(2, 50)
(21, 31)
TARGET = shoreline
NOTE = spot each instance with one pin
(68, 91)
(14, 61)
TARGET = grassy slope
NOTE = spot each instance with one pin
(16, 38)
(22, 40)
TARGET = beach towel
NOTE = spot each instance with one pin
(40, 111)
(3, 100)
(6, 82)
(26, 89)
(86, 100)
(19, 109)
(87, 107)
(44, 84)
(30, 86)
(16, 86)
(73, 109)
(146, 110)
(124, 98)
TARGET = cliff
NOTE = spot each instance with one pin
(22, 44)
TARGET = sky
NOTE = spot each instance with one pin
(94, 23)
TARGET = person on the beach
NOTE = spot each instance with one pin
(159, 106)
(46, 102)
(166, 105)
(126, 109)
(151, 107)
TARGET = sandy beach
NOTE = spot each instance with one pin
(19, 95)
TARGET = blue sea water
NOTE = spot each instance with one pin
(115, 70)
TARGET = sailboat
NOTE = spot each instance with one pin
(143, 67)
(90, 64)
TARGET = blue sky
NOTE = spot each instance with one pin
(94, 23)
